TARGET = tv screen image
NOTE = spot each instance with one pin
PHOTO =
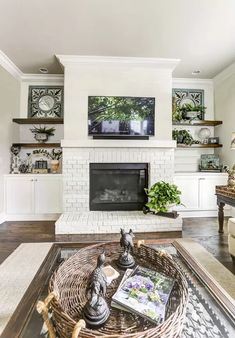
(121, 115)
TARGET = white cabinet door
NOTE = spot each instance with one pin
(19, 195)
(48, 195)
(188, 186)
(207, 195)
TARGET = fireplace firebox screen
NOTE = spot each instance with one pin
(118, 186)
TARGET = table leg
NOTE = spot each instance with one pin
(221, 216)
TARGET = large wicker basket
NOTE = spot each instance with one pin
(69, 284)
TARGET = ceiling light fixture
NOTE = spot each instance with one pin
(196, 72)
(43, 70)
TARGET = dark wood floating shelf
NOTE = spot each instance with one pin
(198, 123)
(185, 146)
(38, 120)
(37, 145)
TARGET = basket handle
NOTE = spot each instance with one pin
(42, 308)
(77, 328)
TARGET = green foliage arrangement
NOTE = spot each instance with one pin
(189, 107)
(55, 154)
(162, 195)
(43, 130)
(182, 137)
(179, 113)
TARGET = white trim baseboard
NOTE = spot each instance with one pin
(2, 217)
(33, 217)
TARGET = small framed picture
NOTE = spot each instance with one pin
(209, 162)
(213, 140)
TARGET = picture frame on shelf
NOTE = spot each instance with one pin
(213, 140)
(210, 163)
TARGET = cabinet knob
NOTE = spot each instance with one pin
(31, 180)
(35, 180)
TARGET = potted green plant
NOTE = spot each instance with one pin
(191, 112)
(55, 156)
(162, 196)
(183, 137)
(41, 134)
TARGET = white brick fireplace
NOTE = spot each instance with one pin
(86, 76)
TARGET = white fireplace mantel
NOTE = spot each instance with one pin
(118, 143)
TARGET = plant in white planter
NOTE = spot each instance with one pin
(162, 197)
(41, 134)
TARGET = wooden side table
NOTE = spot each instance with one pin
(225, 195)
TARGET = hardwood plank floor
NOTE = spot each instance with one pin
(203, 230)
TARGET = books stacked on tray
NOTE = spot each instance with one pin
(144, 292)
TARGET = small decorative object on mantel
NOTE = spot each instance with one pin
(96, 310)
(210, 163)
(41, 134)
(126, 260)
(45, 101)
(15, 160)
(162, 197)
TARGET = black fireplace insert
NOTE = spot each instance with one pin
(118, 186)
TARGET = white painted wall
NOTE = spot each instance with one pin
(9, 106)
(82, 80)
(224, 84)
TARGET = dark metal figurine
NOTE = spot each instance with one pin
(96, 310)
(125, 259)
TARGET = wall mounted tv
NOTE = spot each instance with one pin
(121, 115)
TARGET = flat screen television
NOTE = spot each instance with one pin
(121, 115)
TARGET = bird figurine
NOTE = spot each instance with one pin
(126, 260)
(96, 310)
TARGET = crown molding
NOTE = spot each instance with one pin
(193, 81)
(58, 78)
(225, 74)
(10, 67)
(66, 60)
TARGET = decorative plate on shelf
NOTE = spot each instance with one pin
(46, 101)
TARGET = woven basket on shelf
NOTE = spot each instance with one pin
(69, 284)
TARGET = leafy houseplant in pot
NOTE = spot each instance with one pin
(193, 112)
(41, 134)
(162, 196)
(183, 137)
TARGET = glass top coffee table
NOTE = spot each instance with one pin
(211, 307)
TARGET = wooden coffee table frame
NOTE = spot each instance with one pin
(27, 304)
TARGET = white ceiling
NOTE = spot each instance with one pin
(199, 32)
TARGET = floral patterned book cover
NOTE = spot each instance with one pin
(146, 293)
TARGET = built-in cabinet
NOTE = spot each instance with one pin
(198, 190)
(33, 194)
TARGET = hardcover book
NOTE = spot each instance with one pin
(146, 293)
